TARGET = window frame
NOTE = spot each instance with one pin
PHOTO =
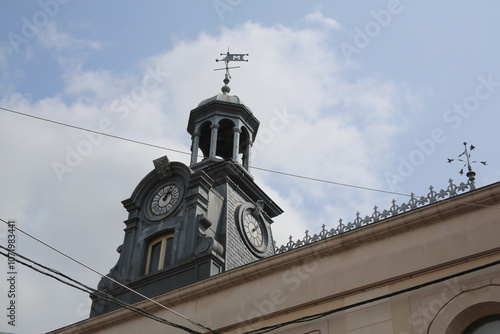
(163, 239)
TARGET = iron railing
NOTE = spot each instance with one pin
(413, 203)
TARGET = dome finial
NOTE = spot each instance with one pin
(229, 57)
(225, 89)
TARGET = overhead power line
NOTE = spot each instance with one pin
(330, 182)
(188, 153)
(107, 277)
(93, 131)
(253, 167)
(52, 273)
(309, 318)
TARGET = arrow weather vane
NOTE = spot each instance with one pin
(229, 57)
(467, 163)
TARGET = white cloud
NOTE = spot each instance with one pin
(5, 53)
(318, 17)
(72, 54)
(52, 38)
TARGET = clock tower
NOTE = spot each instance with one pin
(187, 223)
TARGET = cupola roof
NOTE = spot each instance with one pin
(222, 97)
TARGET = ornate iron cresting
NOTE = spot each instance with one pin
(413, 203)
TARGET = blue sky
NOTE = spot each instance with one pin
(370, 93)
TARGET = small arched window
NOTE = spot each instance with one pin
(159, 255)
(205, 135)
(485, 325)
(225, 139)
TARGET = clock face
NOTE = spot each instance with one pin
(253, 230)
(164, 201)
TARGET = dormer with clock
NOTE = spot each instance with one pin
(187, 223)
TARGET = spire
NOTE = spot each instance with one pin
(229, 57)
(467, 164)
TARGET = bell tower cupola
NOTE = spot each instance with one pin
(222, 127)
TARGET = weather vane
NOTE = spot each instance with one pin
(229, 57)
(467, 163)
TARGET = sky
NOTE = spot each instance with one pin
(371, 94)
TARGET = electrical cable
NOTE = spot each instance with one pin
(330, 182)
(188, 153)
(36, 269)
(308, 318)
(93, 131)
(89, 290)
(107, 277)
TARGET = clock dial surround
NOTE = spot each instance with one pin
(164, 200)
(252, 229)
